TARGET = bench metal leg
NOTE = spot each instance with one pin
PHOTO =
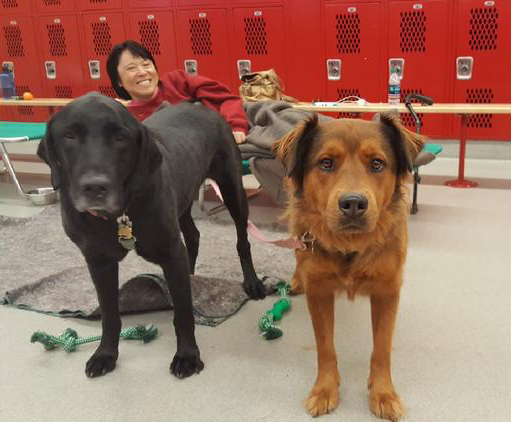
(416, 181)
(10, 169)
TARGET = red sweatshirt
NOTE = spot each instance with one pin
(177, 86)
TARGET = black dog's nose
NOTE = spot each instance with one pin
(353, 204)
(95, 187)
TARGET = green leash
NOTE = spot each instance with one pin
(69, 339)
(270, 331)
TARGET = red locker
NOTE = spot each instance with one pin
(102, 31)
(18, 46)
(15, 7)
(483, 64)
(203, 43)
(258, 41)
(306, 77)
(54, 6)
(419, 36)
(145, 4)
(5, 114)
(59, 44)
(353, 65)
(257, 2)
(155, 31)
(201, 2)
(99, 4)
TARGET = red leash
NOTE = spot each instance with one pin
(290, 242)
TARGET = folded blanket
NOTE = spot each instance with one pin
(42, 270)
(268, 122)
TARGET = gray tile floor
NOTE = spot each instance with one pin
(452, 348)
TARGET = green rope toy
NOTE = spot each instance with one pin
(270, 331)
(69, 339)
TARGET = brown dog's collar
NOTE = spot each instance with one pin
(308, 241)
(305, 241)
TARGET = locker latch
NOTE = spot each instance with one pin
(191, 67)
(333, 69)
(464, 66)
(51, 70)
(244, 67)
(94, 69)
(399, 64)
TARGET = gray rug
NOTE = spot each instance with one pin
(42, 270)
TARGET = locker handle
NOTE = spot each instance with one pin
(94, 69)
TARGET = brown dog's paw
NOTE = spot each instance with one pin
(322, 400)
(387, 406)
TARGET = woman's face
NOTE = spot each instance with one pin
(138, 76)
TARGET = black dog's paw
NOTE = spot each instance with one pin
(184, 366)
(254, 289)
(99, 364)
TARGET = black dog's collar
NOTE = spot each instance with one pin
(124, 229)
(97, 214)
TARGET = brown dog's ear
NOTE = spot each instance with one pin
(148, 161)
(46, 151)
(292, 150)
(405, 143)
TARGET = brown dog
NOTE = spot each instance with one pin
(348, 204)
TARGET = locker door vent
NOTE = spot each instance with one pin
(480, 95)
(63, 91)
(483, 28)
(255, 36)
(347, 92)
(14, 41)
(200, 37)
(407, 118)
(57, 39)
(52, 2)
(24, 110)
(107, 90)
(348, 33)
(150, 36)
(98, 1)
(413, 32)
(10, 4)
(101, 38)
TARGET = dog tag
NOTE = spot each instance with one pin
(128, 244)
(125, 233)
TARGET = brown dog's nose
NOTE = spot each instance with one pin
(95, 187)
(353, 204)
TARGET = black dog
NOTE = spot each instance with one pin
(107, 164)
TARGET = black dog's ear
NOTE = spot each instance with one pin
(292, 150)
(405, 144)
(46, 151)
(149, 160)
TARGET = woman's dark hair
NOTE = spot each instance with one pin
(112, 63)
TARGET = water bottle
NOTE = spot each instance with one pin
(7, 83)
(394, 87)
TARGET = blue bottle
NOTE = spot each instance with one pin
(394, 87)
(7, 83)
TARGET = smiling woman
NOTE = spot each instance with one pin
(134, 76)
(138, 76)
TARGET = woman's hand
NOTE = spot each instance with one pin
(240, 137)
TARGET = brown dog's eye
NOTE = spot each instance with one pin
(377, 165)
(326, 164)
(69, 136)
